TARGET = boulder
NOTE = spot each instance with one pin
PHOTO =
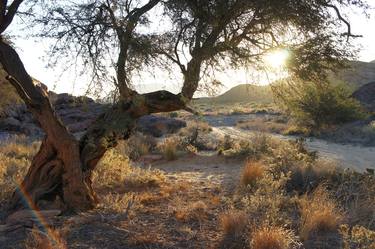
(77, 113)
(10, 124)
(157, 126)
(366, 96)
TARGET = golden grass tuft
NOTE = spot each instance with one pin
(270, 237)
(319, 214)
(196, 211)
(169, 148)
(15, 158)
(251, 173)
(233, 223)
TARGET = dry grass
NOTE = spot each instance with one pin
(169, 148)
(234, 223)
(357, 237)
(195, 211)
(264, 124)
(251, 173)
(41, 240)
(137, 145)
(15, 159)
(115, 171)
(271, 237)
(319, 214)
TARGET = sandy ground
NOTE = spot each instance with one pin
(200, 169)
(346, 155)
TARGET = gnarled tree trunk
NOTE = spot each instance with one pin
(63, 166)
(56, 169)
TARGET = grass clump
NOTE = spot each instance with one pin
(357, 237)
(169, 148)
(195, 211)
(319, 214)
(251, 173)
(272, 237)
(115, 171)
(234, 223)
(137, 146)
(15, 159)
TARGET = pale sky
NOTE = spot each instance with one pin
(32, 52)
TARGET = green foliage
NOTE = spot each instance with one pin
(318, 105)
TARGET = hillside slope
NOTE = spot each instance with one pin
(243, 93)
(359, 74)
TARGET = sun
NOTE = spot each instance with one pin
(277, 58)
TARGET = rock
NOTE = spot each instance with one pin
(10, 124)
(366, 96)
(157, 126)
(77, 113)
(80, 126)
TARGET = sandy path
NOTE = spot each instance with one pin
(346, 155)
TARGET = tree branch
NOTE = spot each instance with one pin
(8, 18)
(341, 18)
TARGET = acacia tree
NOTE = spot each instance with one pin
(201, 34)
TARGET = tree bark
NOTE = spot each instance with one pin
(56, 169)
(63, 166)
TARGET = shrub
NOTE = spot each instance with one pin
(233, 223)
(358, 237)
(316, 105)
(137, 145)
(169, 148)
(114, 170)
(251, 173)
(173, 114)
(192, 135)
(195, 211)
(319, 214)
(268, 201)
(271, 237)
(256, 147)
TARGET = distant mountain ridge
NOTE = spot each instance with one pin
(244, 93)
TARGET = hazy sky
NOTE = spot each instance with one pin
(32, 53)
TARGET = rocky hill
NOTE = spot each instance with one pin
(366, 96)
(358, 74)
(243, 93)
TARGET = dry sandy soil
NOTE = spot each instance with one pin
(182, 212)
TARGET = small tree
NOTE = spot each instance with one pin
(201, 34)
(316, 105)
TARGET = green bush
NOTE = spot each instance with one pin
(318, 105)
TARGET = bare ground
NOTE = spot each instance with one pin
(183, 212)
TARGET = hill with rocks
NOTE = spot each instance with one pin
(356, 75)
(243, 93)
(366, 96)
(77, 113)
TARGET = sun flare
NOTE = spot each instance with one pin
(277, 58)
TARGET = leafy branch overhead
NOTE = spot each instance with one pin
(118, 39)
(114, 41)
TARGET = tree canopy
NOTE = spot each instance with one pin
(115, 40)
(126, 37)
